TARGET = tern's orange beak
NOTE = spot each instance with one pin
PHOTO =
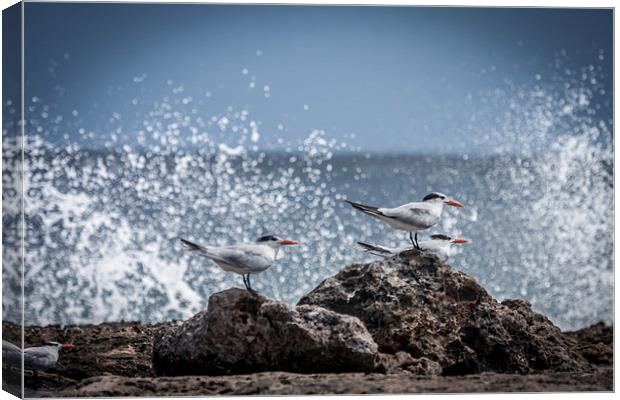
(67, 346)
(286, 242)
(460, 241)
(454, 203)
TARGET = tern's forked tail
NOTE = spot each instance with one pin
(193, 246)
(365, 209)
(371, 248)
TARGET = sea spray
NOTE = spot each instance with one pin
(105, 208)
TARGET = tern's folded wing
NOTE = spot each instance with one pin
(39, 357)
(414, 214)
(247, 257)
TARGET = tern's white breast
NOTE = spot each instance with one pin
(437, 248)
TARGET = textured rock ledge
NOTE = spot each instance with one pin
(282, 383)
(416, 321)
(243, 333)
(415, 305)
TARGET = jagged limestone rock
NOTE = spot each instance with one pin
(415, 304)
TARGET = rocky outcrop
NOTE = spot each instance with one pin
(414, 304)
(286, 383)
(408, 324)
(594, 343)
(118, 364)
(242, 333)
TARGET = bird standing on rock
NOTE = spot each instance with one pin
(439, 245)
(243, 259)
(35, 358)
(411, 217)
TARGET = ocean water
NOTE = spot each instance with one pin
(103, 222)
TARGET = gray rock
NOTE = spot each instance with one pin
(242, 333)
(287, 384)
(415, 304)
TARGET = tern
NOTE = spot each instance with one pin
(439, 245)
(243, 259)
(35, 358)
(411, 217)
(11, 354)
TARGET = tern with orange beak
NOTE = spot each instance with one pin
(411, 217)
(243, 259)
(35, 358)
(441, 246)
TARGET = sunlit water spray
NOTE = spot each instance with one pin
(103, 226)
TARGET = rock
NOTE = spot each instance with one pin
(594, 343)
(415, 304)
(113, 370)
(120, 348)
(404, 362)
(286, 383)
(242, 333)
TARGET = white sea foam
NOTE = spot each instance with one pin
(103, 227)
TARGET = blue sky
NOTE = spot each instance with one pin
(398, 78)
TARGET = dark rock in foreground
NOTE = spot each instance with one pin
(595, 343)
(127, 372)
(410, 318)
(120, 348)
(283, 383)
(242, 333)
(415, 304)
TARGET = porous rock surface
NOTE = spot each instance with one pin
(595, 343)
(395, 325)
(415, 304)
(288, 383)
(243, 333)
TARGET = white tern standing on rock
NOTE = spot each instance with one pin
(439, 245)
(243, 259)
(411, 217)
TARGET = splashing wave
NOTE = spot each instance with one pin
(104, 221)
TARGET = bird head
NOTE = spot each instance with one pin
(448, 240)
(440, 198)
(275, 242)
(64, 346)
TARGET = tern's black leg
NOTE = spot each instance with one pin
(414, 243)
(250, 287)
(245, 282)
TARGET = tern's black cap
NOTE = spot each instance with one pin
(434, 195)
(267, 238)
(441, 237)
